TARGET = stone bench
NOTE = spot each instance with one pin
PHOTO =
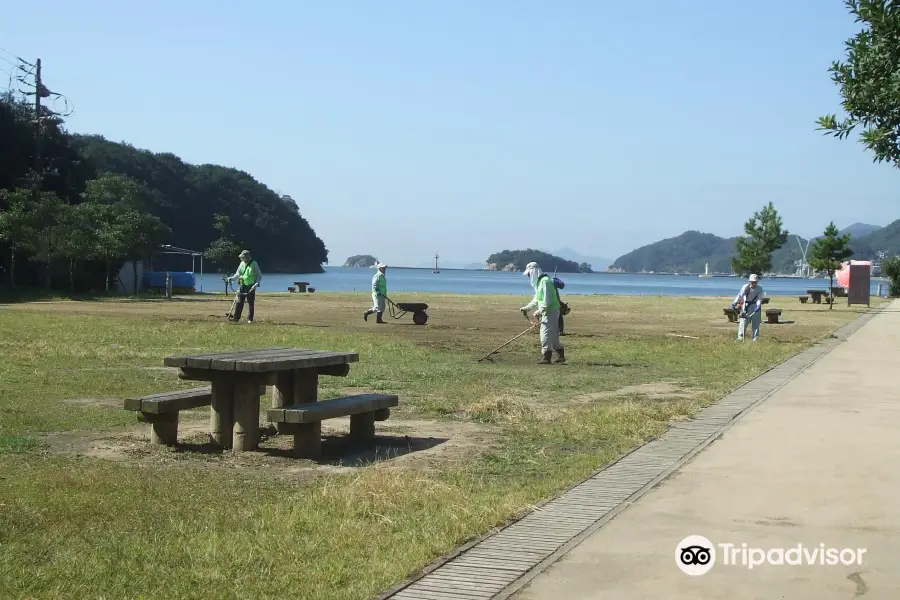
(772, 315)
(161, 410)
(301, 419)
(803, 299)
(301, 286)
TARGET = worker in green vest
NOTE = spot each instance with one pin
(546, 299)
(379, 294)
(249, 277)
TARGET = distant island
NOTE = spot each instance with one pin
(515, 260)
(692, 250)
(364, 261)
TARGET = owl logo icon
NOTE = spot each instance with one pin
(695, 555)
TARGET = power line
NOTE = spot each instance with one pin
(17, 57)
(11, 78)
(20, 71)
(69, 105)
(41, 111)
(34, 86)
(15, 65)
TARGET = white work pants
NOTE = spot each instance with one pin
(754, 322)
(550, 331)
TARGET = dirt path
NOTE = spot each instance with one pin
(412, 444)
(402, 443)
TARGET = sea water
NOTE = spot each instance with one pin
(450, 281)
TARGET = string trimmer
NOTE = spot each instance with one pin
(238, 295)
(531, 326)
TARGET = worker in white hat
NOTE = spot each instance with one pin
(546, 300)
(379, 294)
(749, 304)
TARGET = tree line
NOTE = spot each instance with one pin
(70, 219)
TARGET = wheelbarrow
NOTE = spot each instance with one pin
(398, 309)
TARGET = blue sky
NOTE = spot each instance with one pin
(465, 126)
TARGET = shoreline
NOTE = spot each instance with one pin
(625, 273)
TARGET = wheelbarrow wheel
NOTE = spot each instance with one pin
(420, 318)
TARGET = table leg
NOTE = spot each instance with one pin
(307, 437)
(221, 415)
(246, 417)
(283, 394)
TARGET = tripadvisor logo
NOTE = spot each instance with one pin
(696, 555)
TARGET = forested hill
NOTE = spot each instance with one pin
(690, 251)
(515, 260)
(187, 198)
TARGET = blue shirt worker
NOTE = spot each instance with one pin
(546, 299)
(749, 299)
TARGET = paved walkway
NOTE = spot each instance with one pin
(818, 462)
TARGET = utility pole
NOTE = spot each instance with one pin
(38, 92)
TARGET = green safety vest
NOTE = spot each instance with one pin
(554, 301)
(246, 273)
(379, 284)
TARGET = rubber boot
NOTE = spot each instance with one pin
(545, 359)
(560, 356)
(379, 319)
(366, 315)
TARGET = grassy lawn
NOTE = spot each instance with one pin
(89, 509)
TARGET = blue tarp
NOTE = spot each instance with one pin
(180, 279)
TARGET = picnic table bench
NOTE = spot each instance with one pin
(161, 410)
(237, 377)
(772, 315)
(816, 295)
(304, 420)
(732, 313)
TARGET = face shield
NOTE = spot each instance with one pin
(533, 272)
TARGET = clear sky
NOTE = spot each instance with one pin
(471, 126)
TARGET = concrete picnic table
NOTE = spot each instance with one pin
(236, 377)
(817, 295)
